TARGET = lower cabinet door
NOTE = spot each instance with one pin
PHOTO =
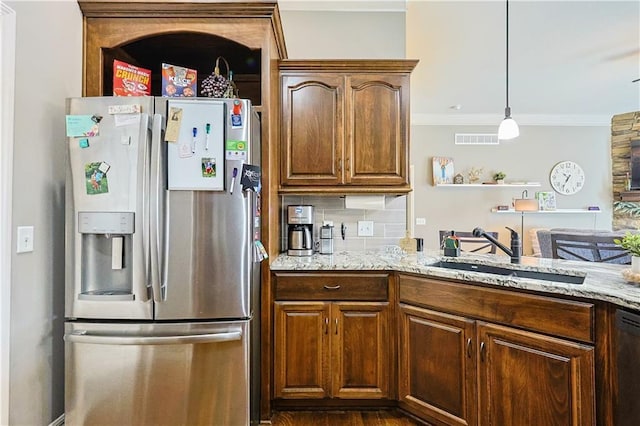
(360, 361)
(437, 367)
(530, 379)
(301, 336)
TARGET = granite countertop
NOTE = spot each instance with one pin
(603, 281)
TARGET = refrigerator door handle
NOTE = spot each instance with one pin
(83, 336)
(141, 206)
(156, 207)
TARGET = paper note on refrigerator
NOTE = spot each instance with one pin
(173, 124)
(82, 125)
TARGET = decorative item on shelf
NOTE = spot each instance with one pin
(499, 177)
(508, 127)
(442, 170)
(474, 174)
(631, 243)
(217, 85)
(546, 200)
(458, 179)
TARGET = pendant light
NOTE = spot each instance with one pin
(508, 128)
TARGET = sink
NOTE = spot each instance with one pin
(519, 273)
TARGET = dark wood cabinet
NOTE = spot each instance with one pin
(460, 366)
(360, 361)
(344, 125)
(301, 350)
(531, 379)
(437, 371)
(336, 344)
(312, 129)
(149, 33)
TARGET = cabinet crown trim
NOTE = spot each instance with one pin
(141, 8)
(349, 65)
(170, 9)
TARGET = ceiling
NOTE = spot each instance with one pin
(570, 60)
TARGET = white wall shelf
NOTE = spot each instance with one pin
(490, 185)
(557, 211)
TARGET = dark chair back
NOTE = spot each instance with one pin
(472, 244)
(588, 248)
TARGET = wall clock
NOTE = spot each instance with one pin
(567, 177)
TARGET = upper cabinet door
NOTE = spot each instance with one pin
(312, 129)
(377, 132)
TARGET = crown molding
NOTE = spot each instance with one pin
(522, 119)
(344, 5)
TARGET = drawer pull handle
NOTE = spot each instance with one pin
(469, 347)
(332, 287)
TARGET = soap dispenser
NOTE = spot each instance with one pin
(516, 246)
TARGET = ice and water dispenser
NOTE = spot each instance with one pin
(107, 249)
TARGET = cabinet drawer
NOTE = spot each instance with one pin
(347, 286)
(545, 314)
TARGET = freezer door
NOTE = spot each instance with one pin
(156, 374)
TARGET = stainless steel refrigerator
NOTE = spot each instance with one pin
(162, 261)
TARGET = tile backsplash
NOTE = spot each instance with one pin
(389, 225)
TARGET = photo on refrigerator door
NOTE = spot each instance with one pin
(208, 167)
(96, 178)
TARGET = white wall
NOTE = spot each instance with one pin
(343, 35)
(48, 63)
(527, 158)
(7, 96)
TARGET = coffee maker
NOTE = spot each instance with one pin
(300, 230)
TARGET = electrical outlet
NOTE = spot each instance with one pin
(25, 239)
(365, 228)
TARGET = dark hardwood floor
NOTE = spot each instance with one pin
(341, 418)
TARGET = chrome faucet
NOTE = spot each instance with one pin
(516, 244)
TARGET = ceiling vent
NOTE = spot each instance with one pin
(477, 139)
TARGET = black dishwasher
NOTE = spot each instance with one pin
(628, 365)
